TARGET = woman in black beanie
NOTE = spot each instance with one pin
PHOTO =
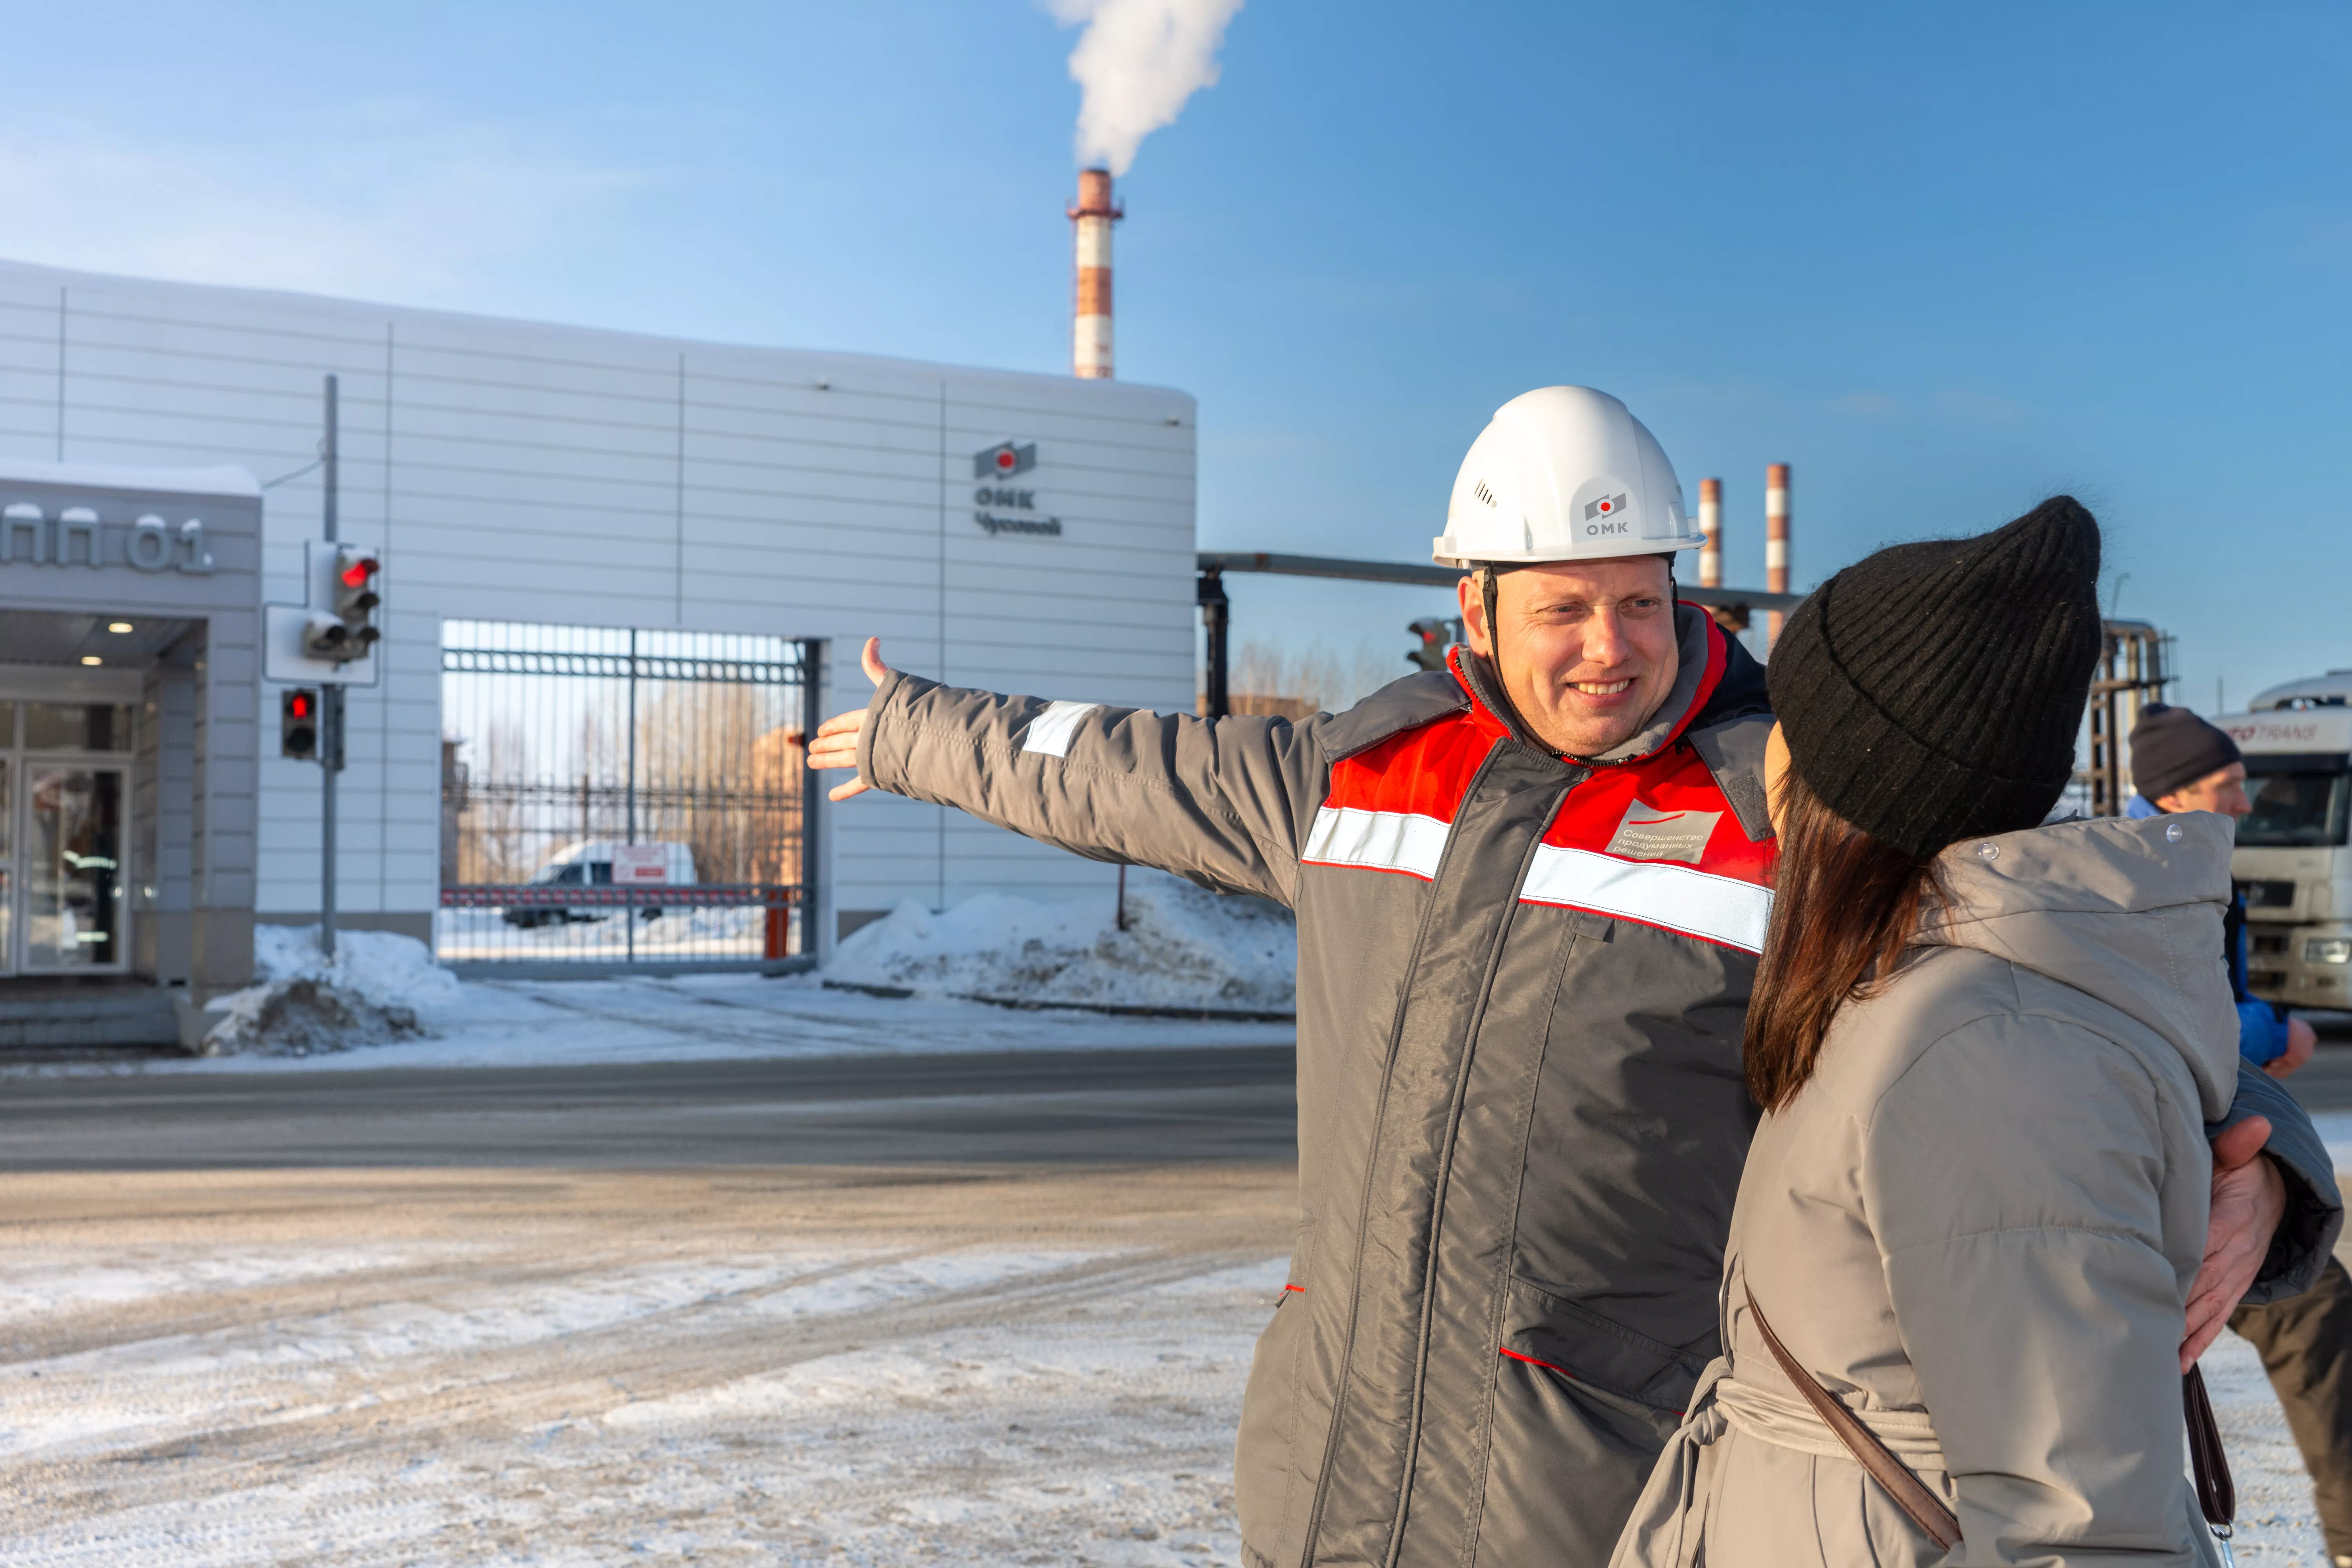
(1972, 1213)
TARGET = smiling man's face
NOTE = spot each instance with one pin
(1589, 649)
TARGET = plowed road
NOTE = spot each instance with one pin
(1192, 1103)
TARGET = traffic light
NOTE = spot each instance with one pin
(297, 725)
(1436, 636)
(351, 631)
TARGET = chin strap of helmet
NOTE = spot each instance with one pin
(1510, 715)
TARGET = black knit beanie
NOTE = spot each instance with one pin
(2171, 748)
(1934, 691)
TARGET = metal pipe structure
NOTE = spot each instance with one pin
(1216, 614)
(1776, 543)
(1710, 528)
(1092, 215)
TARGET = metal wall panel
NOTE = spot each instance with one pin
(515, 471)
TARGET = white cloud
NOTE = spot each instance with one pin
(1138, 62)
(390, 211)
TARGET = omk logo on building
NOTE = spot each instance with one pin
(1003, 461)
(991, 502)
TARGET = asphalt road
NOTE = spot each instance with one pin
(1194, 1104)
(1209, 1103)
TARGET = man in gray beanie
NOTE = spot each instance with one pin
(2180, 762)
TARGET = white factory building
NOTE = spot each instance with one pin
(541, 497)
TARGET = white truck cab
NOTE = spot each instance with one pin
(2291, 861)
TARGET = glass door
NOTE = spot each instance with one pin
(65, 792)
(74, 890)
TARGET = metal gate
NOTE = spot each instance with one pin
(616, 801)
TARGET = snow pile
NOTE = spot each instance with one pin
(301, 1003)
(1185, 950)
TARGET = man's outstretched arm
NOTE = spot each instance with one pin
(1219, 803)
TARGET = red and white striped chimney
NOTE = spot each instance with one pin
(1776, 542)
(1710, 528)
(1092, 216)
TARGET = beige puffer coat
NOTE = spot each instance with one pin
(1977, 1224)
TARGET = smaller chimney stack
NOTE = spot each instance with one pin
(1776, 542)
(1710, 528)
(1092, 215)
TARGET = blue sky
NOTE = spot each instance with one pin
(1944, 260)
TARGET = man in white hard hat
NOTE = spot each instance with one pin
(1530, 889)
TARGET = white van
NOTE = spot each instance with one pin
(607, 862)
(2291, 861)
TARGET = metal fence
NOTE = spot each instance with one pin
(616, 800)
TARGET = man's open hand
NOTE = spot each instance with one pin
(2249, 1201)
(836, 746)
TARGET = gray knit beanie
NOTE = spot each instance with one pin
(1934, 691)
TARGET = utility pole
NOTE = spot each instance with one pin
(331, 712)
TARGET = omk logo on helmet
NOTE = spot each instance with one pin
(1003, 461)
(1605, 514)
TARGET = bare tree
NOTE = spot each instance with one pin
(1278, 679)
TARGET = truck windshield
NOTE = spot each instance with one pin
(2296, 811)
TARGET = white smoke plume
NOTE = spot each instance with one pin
(1137, 61)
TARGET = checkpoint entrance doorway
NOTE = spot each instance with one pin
(65, 793)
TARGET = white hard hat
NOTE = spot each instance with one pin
(1563, 473)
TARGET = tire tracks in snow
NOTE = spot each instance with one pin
(645, 1357)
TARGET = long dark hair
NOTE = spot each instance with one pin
(1845, 906)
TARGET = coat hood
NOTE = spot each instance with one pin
(2128, 913)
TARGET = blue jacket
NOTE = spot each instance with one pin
(2262, 1032)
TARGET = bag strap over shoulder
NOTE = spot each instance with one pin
(2217, 1494)
(1909, 1493)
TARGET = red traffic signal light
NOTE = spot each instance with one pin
(297, 725)
(1436, 636)
(350, 633)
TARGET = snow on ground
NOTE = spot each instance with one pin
(303, 1003)
(381, 968)
(981, 1406)
(2276, 1524)
(696, 1017)
(1183, 947)
(649, 1369)
(701, 1017)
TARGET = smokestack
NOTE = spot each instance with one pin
(1090, 325)
(1710, 528)
(1776, 542)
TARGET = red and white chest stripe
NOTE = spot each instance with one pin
(1391, 809)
